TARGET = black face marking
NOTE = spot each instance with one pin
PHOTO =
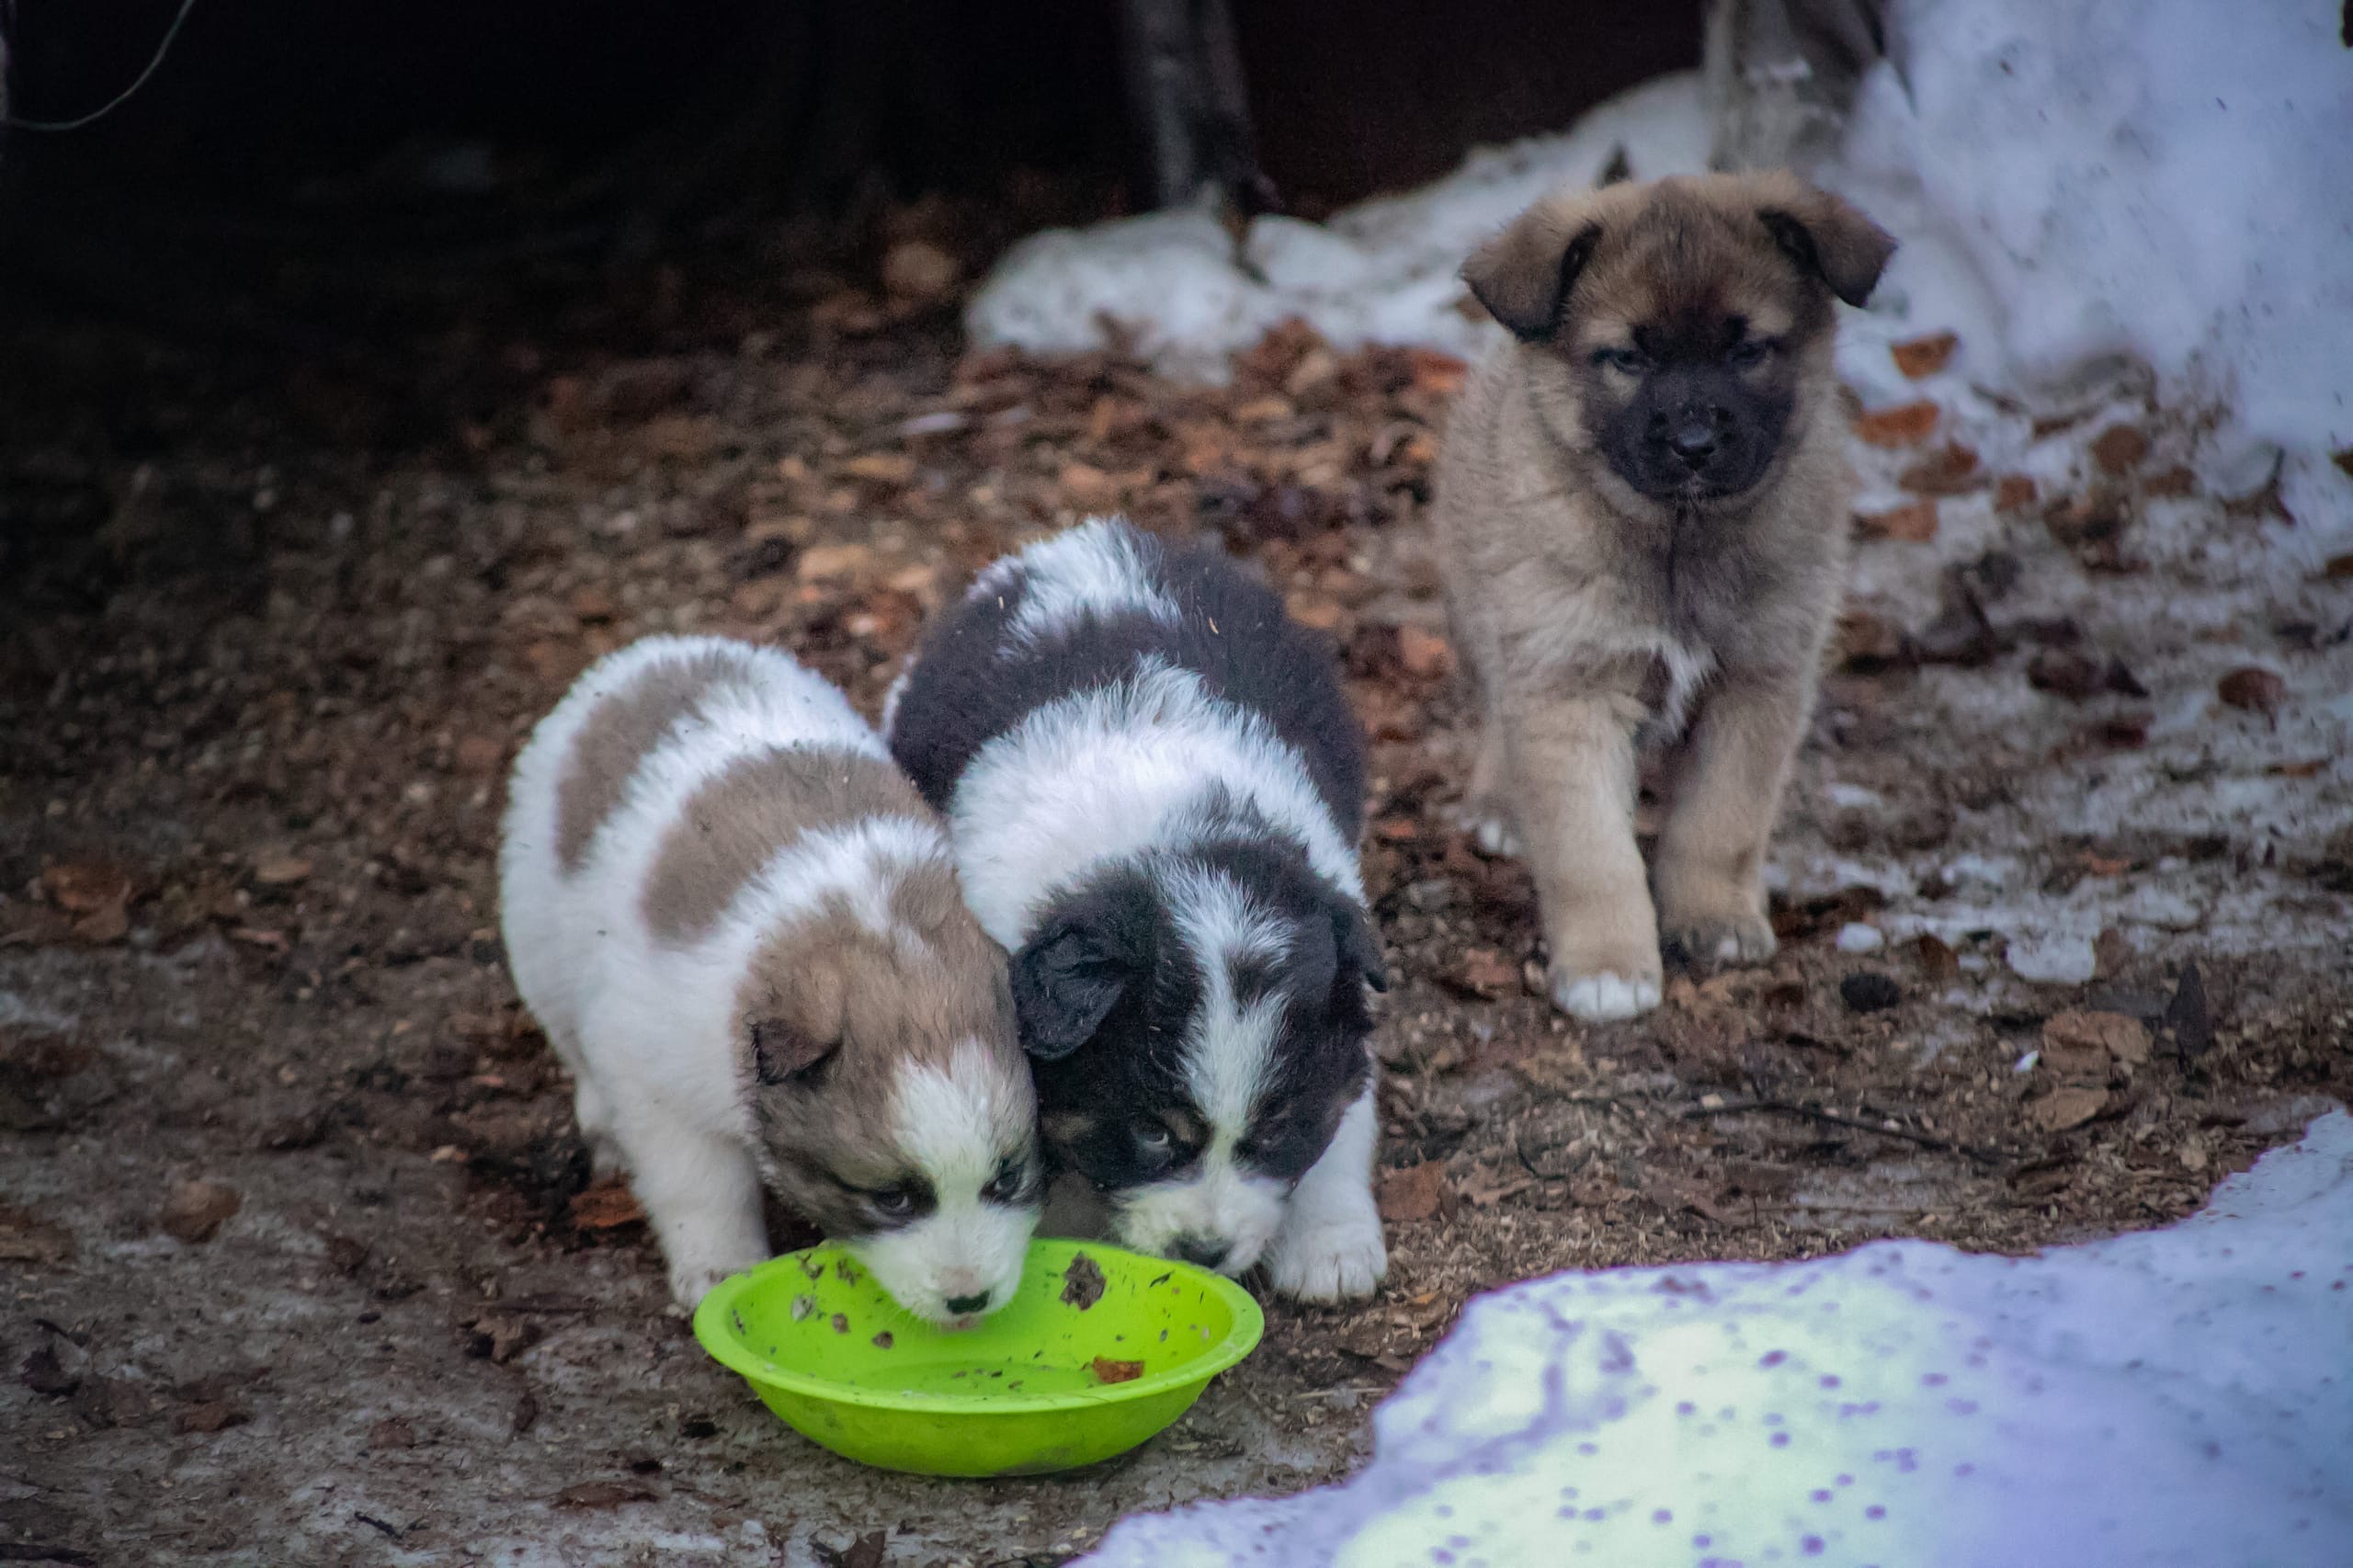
(1119, 1108)
(1709, 405)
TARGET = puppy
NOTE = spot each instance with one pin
(1642, 517)
(741, 930)
(1155, 789)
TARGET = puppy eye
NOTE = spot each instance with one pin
(1007, 1184)
(1749, 353)
(1629, 361)
(1153, 1139)
(894, 1201)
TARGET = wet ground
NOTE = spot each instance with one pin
(297, 1261)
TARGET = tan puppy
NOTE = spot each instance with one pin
(1642, 511)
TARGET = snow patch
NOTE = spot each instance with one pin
(2155, 180)
(2177, 1397)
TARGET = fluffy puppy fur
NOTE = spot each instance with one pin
(741, 930)
(1642, 516)
(1154, 788)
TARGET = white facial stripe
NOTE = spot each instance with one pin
(1093, 569)
(1113, 771)
(1227, 1050)
(957, 1124)
(854, 861)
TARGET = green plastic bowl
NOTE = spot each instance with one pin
(1020, 1394)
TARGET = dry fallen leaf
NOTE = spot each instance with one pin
(2257, 690)
(1905, 425)
(1922, 356)
(1109, 1371)
(86, 887)
(1912, 523)
(2120, 1036)
(1950, 470)
(827, 561)
(282, 871)
(27, 1238)
(194, 1212)
(1414, 1192)
(2065, 1107)
(884, 468)
(1435, 372)
(1482, 972)
(606, 1207)
(2119, 447)
(1424, 653)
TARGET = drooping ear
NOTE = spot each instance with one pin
(1360, 946)
(1067, 979)
(1523, 276)
(1825, 238)
(782, 1053)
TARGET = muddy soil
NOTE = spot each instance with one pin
(296, 1264)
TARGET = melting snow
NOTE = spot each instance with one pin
(2178, 1397)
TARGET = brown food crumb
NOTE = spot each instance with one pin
(841, 1324)
(1109, 1371)
(1082, 1283)
(884, 1341)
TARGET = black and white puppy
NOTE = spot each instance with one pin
(1154, 788)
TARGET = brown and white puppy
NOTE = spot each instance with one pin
(1642, 514)
(742, 930)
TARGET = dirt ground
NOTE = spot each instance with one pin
(295, 1262)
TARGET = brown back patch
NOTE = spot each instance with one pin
(621, 733)
(760, 803)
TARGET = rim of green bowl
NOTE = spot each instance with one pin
(1249, 1326)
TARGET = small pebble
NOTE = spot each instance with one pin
(1869, 992)
(1858, 937)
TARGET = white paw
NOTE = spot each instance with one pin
(1599, 998)
(1331, 1259)
(1490, 829)
(605, 1161)
(691, 1281)
(1496, 838)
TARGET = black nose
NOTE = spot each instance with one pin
(1693, 438)
(963, 1306)
(1206, 1251)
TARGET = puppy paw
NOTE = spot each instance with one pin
(1604, 995)
(691, 1281)
(1710, 941)
(1337, 1257)
(1489, 828)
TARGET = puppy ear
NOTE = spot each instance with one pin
(1360, 946)
(1825, 238)
(1067, 979)
(781, 1053)
(1523, 276)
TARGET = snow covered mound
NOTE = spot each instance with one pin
(1381, 272)
(2170, 180)
(2182, 1397)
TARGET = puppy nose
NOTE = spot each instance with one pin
(963, 1306)
(1206, 1251)
(1692, 439)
